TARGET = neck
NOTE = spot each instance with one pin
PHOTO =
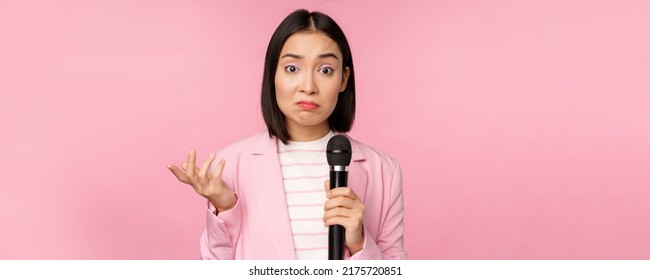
(308, 133)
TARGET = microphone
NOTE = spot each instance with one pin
(339, 155)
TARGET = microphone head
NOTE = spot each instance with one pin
(339, 151)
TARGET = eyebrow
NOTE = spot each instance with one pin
(300, 56)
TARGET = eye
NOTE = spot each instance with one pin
(291, 68)
(326, 70)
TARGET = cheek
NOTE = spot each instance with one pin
(282, 85)
(331, 89)
(280, 91)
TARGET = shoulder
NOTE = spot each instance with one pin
(373, 154)
(246, 145)
(382, 171)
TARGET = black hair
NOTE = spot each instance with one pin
(342, 117)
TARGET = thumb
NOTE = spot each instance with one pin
(327, 187)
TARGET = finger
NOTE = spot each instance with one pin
(350, 223)
(184, 166)
(343, 191)
(336, 212)
(219, 169)
(350, 213)
(180, 175)
(327, 187)
(206, 165)
(340, 202)
(191, 161)
(345, 222)
(336, 221)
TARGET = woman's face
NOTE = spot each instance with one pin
(308, 80)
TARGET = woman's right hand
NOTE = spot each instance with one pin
(204, 183)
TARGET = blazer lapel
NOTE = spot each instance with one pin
(267, 181)
(357, 173)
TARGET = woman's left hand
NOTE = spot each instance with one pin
(343, 207)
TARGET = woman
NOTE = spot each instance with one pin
(273, 199)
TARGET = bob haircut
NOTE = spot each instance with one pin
(342, 117)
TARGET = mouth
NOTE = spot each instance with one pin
(307, 105)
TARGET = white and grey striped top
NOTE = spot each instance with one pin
(304, 171)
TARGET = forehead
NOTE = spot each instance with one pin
(309, 43)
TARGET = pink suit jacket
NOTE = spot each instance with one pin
(258, 226)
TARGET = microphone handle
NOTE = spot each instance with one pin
(336, 238)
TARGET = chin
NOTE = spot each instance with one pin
(309, 122)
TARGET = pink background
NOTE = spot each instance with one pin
(522, 127)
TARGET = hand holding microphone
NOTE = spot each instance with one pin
(344, 210)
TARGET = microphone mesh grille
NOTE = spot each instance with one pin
(339, 151)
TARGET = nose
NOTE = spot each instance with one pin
(307, 84)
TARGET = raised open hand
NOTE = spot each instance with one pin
(206, 184)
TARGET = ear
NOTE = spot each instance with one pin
(346, 75)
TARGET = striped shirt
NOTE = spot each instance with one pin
(304, 171)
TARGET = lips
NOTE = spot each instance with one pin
(307, 105)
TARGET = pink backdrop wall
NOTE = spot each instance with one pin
(522, 126)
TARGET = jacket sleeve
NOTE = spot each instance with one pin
(219, 239)
(389, 243)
